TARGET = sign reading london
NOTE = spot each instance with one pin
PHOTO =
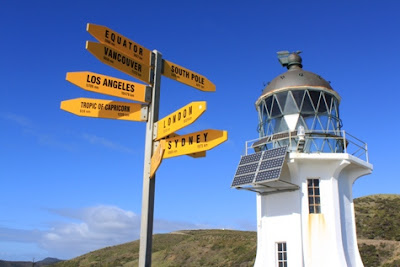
(109, 37)
(110, 86)
(194, 142)
(179, 119)
(120, 61)
(188, 77)
(98, 108)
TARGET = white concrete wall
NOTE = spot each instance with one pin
(326, 239)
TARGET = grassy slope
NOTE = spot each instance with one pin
(378, 230)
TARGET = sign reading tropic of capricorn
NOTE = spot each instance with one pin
(98, 108)
(162, 141)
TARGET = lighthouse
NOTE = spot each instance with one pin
(302, 169)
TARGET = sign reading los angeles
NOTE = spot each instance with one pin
(110, 86)
(98, 108)
(194, 142)
(179, 119)
(109, 37)
(119, 60)
(188, 77)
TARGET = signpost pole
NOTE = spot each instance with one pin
(146, 227)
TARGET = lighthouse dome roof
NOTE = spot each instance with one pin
(296, 78)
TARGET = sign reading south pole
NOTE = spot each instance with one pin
(188, 77)
(179, 119)
(109, 37)
(98, 108)
(120, 61)
(194, 142)
(110, 86)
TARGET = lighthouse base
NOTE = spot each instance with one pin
(314, 225)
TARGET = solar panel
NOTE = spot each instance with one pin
(268, 175)
(272, 153)
(261, 166)
(250, 158)
(244, 179)
(249, 168)
(271, 163)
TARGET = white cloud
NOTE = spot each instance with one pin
(93, 139)
(89, 229)
(20, 120)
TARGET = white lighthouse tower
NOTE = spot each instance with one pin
(302, 168)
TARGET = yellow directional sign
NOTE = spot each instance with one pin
(179, 119)
(109, 37)
(110, 86)
(194, 142)
(98, 108)
(120, 61)
(157, 158)
(201, 154)
(188, 77)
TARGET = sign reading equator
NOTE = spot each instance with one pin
(188, 77)
(179, 119)
(99, 108)
(109, 37)
(110, 86)
(120, 61)
(194, 142)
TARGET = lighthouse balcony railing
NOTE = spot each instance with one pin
(311, 142)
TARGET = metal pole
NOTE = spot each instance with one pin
(146, 226)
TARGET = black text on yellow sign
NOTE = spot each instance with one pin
(110, 86)
(179, 119)
(98, 108)
(201, 154)
(194, 142)
(120, 61)
(107, 36)
(188, 77)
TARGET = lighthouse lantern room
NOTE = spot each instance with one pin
(302, 168)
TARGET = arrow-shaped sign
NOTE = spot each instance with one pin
(157, 158)
(194, 142)
(98, 108)
(188, 77)
(120, 61)
(109, 37)
(110, 86)
(179, 119)
(201, 154)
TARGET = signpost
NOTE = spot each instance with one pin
(110, 86)
(179, 119)
(161, 140)
(109, 37)
(194, 142)
(120, 61)
(188, 77)
(98, 108)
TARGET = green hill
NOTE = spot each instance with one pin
(377, 220)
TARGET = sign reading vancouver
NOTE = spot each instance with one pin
(120, 61)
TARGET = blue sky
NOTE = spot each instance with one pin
(71, 184)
